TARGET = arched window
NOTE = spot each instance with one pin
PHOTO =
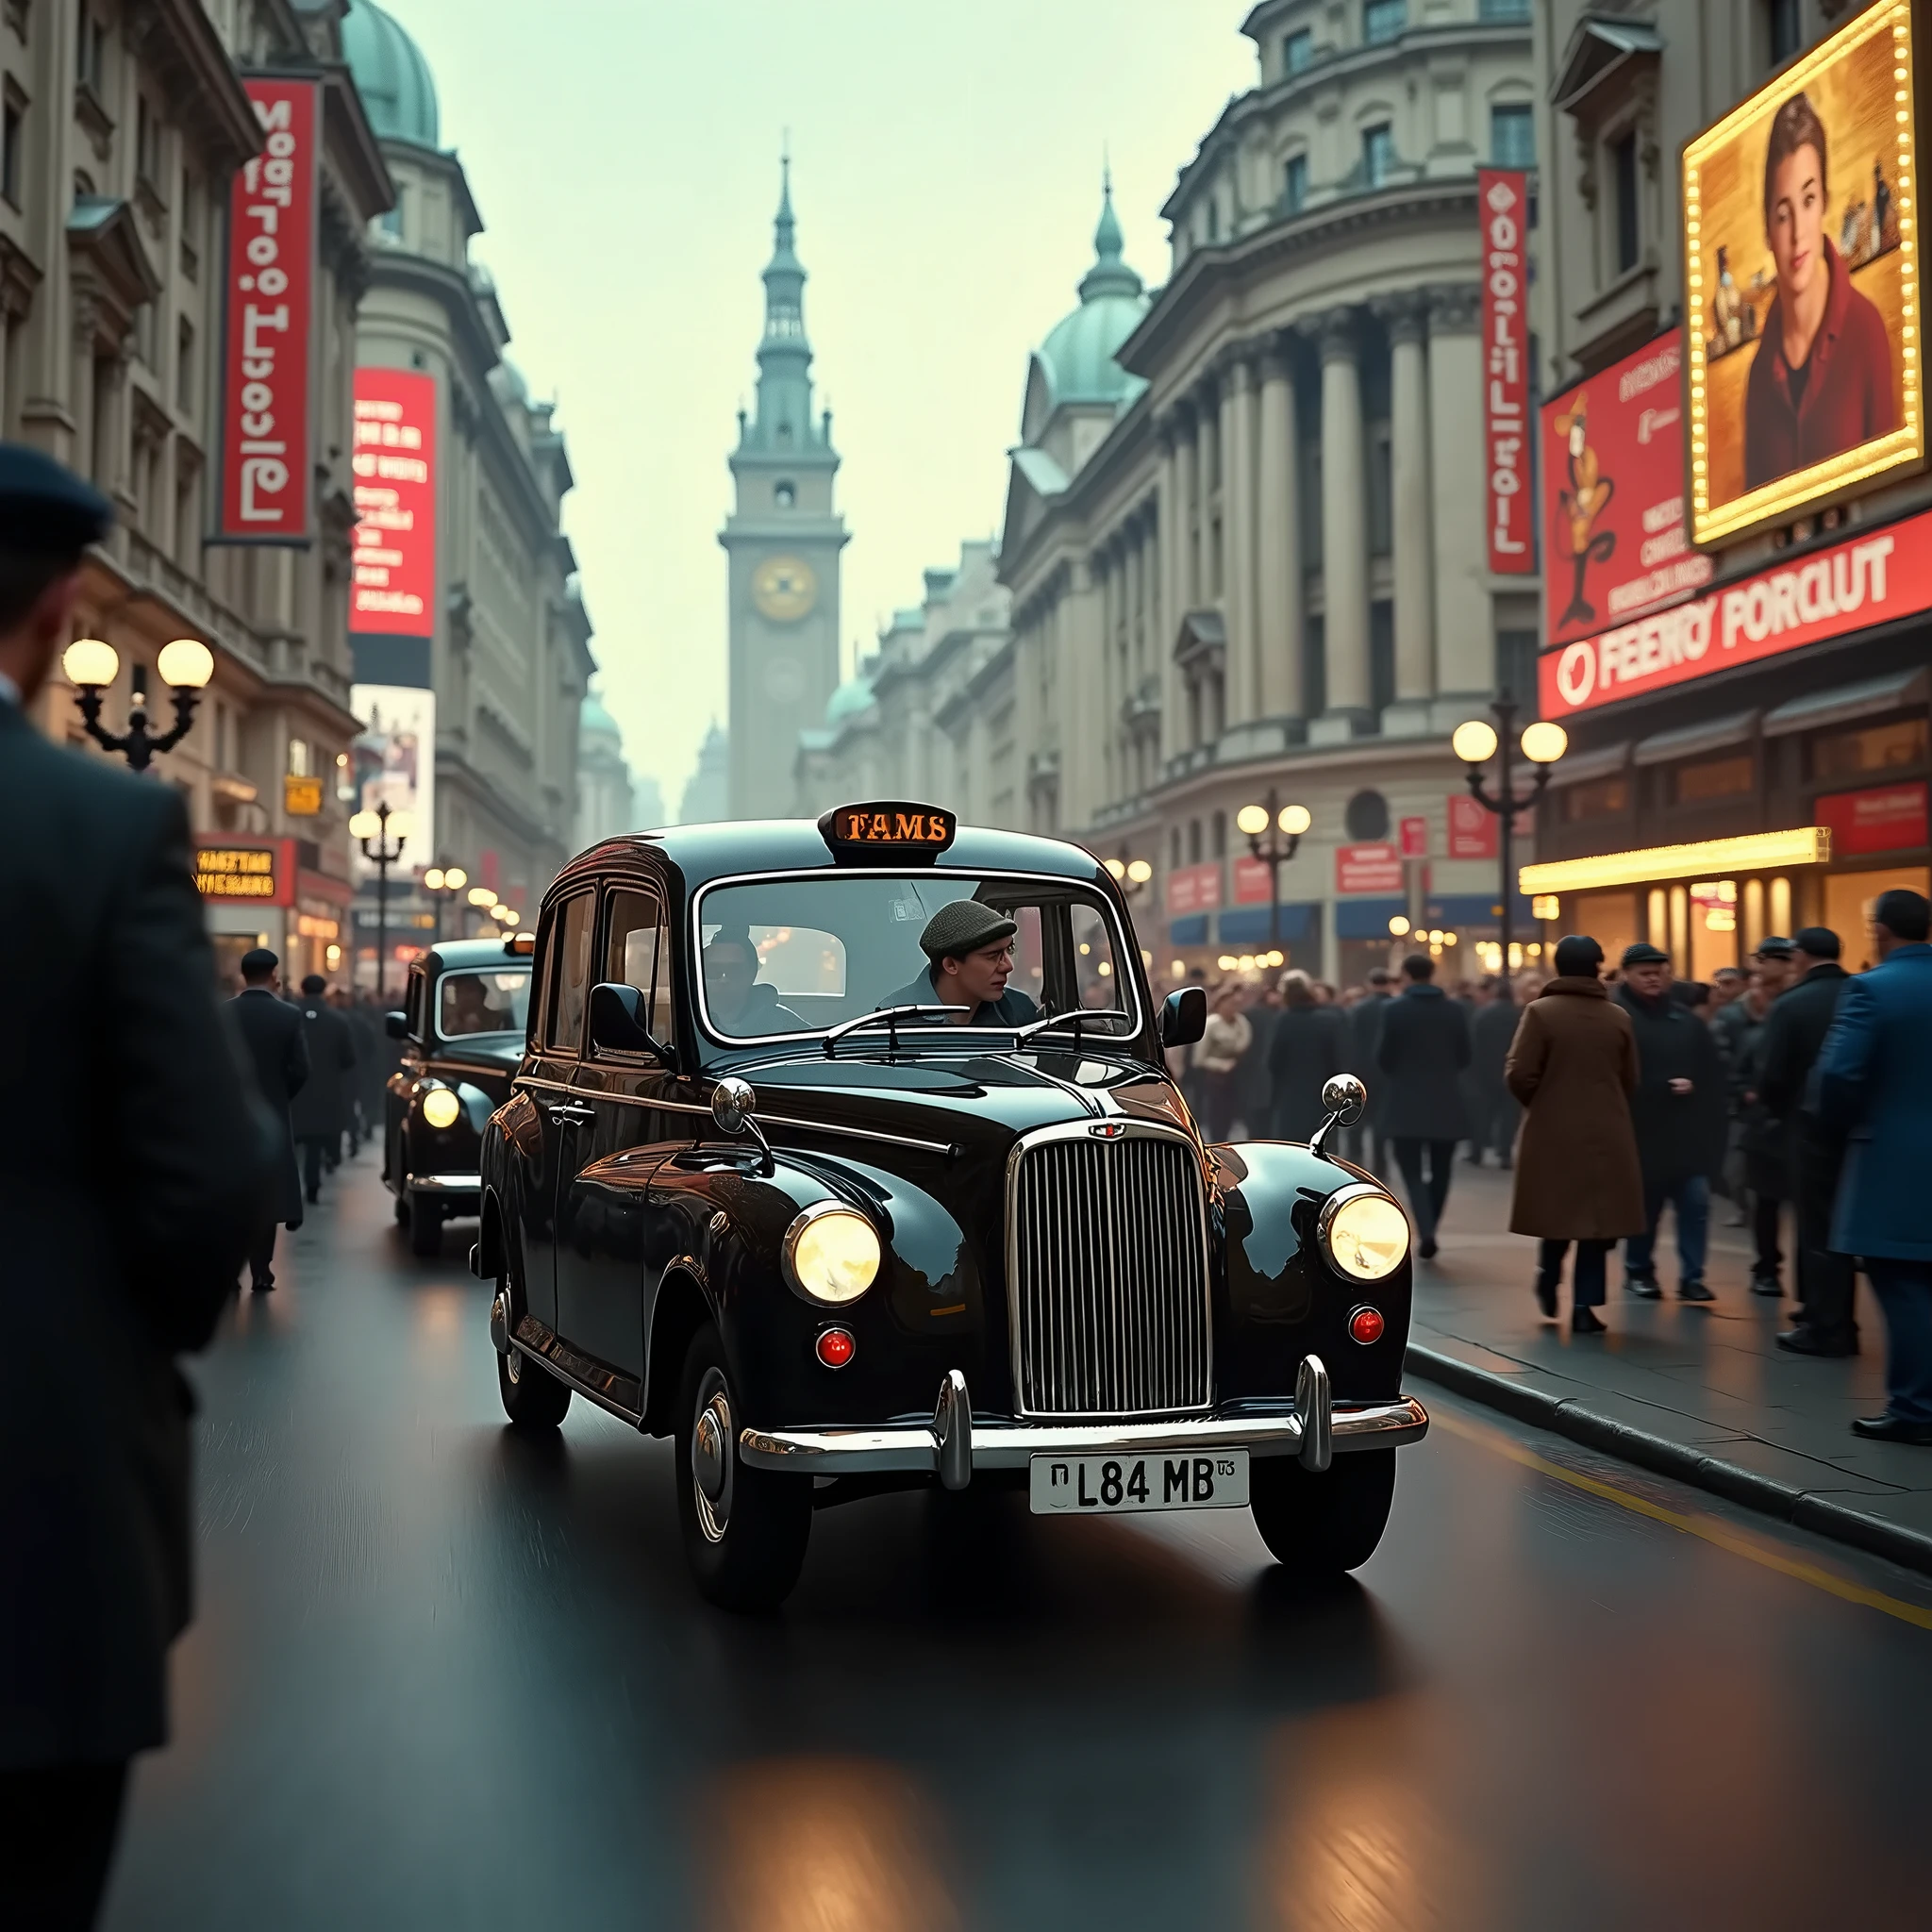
(785, 495)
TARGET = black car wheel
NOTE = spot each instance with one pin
(745, 1529)
(1323, 1524)
(425, 1227)
(533, 1398)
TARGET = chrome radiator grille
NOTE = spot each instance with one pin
(1107, 1276)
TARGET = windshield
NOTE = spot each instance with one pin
(801, 955)
(494, 1002)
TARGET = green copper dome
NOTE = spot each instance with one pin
(1078, 355)
(593, 721)
(851, 700)
(390, 75)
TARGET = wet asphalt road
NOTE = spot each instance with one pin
(442, 1677)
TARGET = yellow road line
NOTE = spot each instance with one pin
(1709, 1528)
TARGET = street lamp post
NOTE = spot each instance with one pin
(1284, 824)
(185, 666)
(1130, 875)
(440, 882)
(1476, 743)
(373, 828)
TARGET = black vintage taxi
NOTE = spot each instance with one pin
(462, 1025)
(765, 1185)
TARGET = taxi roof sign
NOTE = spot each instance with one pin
(891, 830)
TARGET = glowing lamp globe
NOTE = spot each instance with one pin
(186, 664)
(1253, 820)
(91, 663)
(1474, 743)
(1543, 743)
(1296, 820)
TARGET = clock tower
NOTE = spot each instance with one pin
(783, 538)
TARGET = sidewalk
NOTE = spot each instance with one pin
(1699, 1391)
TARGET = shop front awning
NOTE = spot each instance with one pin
(1691, 740)
(1841, 702)
(1710, 859)
(1247, 926)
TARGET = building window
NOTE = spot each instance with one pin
(300, 762)
(1516, 655)
(1874, 748)
(12, 140)
(1503, 10)
(190, 252)
(1381, 493)
(1213, 219)
(392, 217)
(1382, 19)
(184, 366)
(1715, 778)
(785, 495)
(1512, 135)
(1787, 30)
(1298, 51)
(147, 145)
(1623, 199)
(1294, 183)
(1378, 155)
(90, 53)
(1221, 835)
(1602, 798)
(1193, 842)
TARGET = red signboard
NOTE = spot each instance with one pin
(268, 307)
(1887, 818)
(393, 567)
(1502, 199)
(1250, 881)
(1193, 888)
(1415, 838)
(1367, 869)
(1852, 586)
(1473, 828)
(1614, 542)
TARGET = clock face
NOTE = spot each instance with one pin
(784, 589)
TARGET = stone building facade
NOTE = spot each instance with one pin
(124, 126)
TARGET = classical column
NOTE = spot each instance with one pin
(1238, 548)
(1208, 464)
(1278, 545)
(1465, 641)
(1407, 318)
(1344, 533)
(1164, 614)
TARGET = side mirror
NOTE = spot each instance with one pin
(1343, 1097)
(1184, 1016)
(397, 1025)
(733, 1105)
(617, 1021)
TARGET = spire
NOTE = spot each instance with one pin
(782, 417)
(1109, 274)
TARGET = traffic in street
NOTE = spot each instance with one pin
(444, 1676)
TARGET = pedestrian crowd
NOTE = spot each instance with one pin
(1794, 1091)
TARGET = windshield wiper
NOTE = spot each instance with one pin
(1072, 1018)
(891, 1015)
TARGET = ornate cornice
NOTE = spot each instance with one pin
(1455, 308)
(1406, 316)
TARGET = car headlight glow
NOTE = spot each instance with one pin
(1364, 1233)
(831, 1254)
(441, 1106)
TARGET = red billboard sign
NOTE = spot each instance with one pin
(1367, 869)
(1193, 888)
(1887, 818)
(393, 566)
(1251, 881)
(268, 297)
(1614, 539)
(1852, 586)
(1473, 827)
(1502, 199)
(1414, 834)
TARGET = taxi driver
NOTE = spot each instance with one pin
(971, 949)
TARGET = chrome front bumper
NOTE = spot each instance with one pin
(444, 1184)
(956, 1442)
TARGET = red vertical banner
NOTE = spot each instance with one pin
(392, 568)
(1503, 202)
(268, 311)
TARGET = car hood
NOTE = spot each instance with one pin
(486, 1053)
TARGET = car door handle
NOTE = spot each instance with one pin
(568, 1113)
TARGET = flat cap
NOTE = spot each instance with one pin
(1644, 954)
(259, 961)
(45, 510)
(1819, 943)
(1775, 948)
(963, 927)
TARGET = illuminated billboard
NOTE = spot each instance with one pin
(1801, 277)
(393, 567)
(395, 764)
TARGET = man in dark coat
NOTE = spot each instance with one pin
(1309, 1044)
(271, 1031)
(1874, 1086)
(320, 1111)
(1679, 1113)
(1365, 1025)
(130, 1169)
(1491, 1030)
(1792, 1042)
(1423, 1049)
(365, 1034)
(1573, 1065)
(1760, 1138)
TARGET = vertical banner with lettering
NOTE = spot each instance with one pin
(268, 307)
(393, 566)
(1503, 202)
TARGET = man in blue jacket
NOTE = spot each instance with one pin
(1874, 1085)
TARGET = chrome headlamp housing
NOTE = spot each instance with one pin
(831, 1255)
(1363, 1233)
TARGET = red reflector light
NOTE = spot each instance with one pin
(1365, 1326)
(836, 1347)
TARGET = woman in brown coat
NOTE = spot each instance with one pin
(1573, 1065)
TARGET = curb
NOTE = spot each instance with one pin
(1567, 1416)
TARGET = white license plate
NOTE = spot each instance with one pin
(1128, 1485)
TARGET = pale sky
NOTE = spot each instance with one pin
(946, 169)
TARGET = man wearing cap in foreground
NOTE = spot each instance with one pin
(130, 1167)
(971, 948)
(1678, 1111)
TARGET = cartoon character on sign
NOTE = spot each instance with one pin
(1585, 500)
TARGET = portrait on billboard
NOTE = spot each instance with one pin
(396, 762)
(1801, 272)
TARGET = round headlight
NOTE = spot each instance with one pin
(831, 1254)
(441, 1106)
(1365, 1233)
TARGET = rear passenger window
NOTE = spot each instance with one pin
(570, 983)
(637, 953)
